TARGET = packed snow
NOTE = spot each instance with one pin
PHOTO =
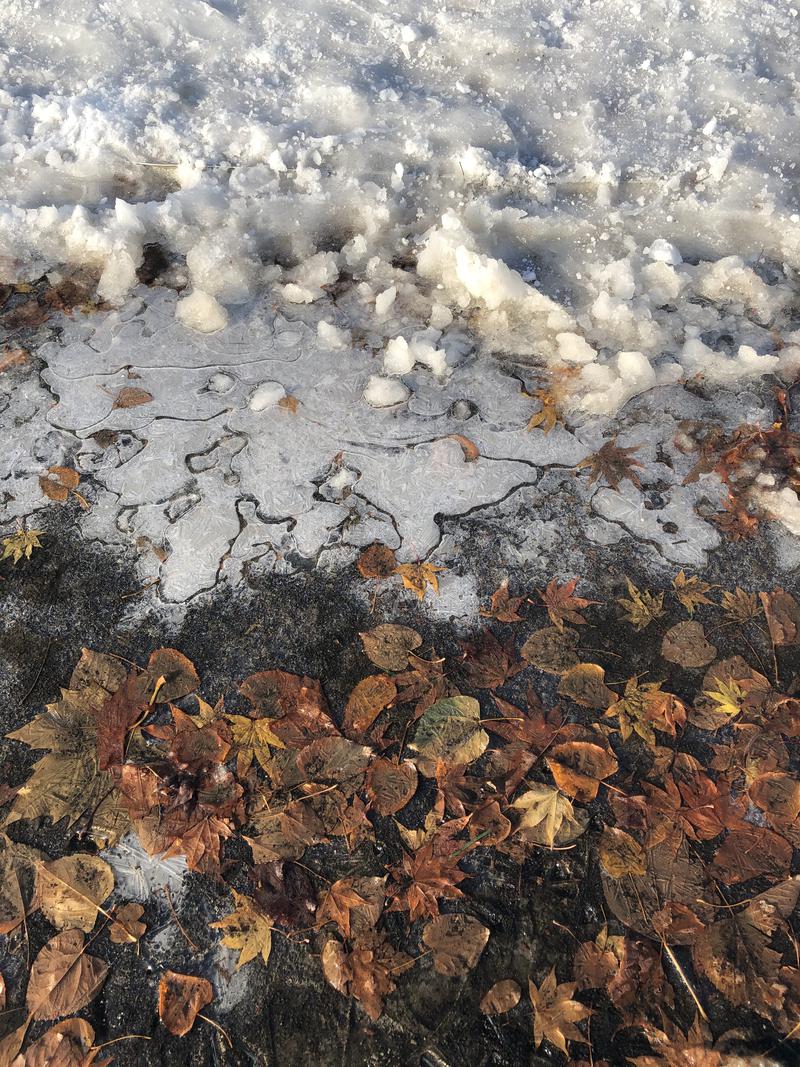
(381, 225)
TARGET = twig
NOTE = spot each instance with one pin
(126, 1037)
(188, 939)
(216, 1026)
(35, 681)
(684, 979)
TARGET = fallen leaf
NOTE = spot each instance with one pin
(685, 644)
(67, 1044)
(246, 928)
(418, 576)
(502, 997)
(562, 604)
(783, 616)
(504, 607)
(580, 765)
(548, 817)
(456, 942)
(390, 785)
(63, 978)
(641, 607)
(289, 403)
(548, 415)
(585, 684)
(131, 397)
(369, 698)
(487, 664)
(555, 1012)
(750, 853)
(70, 890)
(389, 644)
(468, 447)
(450, 731)
(691, 592)
(366, 972)
(551, 649)
(377, 561)
(620, 854)
(179, 675)
(740, 606)
(20, 544)
(252, 738)
(181, 998)
(424, 879)
(127, 926)
(613, 464)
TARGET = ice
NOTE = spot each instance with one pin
(200, 311)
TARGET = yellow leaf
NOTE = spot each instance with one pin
(253, 736)
(691, 591)
(20, 544)
(729, 697)
(418, 576)
(642, 607)
(246, 928)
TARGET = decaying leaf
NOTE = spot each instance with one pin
(71, 890)
(59, 482)
(247, 928)
(131, 397)
(390, 785)
(127, 926)
(585, 684)
(613, 464)
(389, 644)
(551, 649)
(685, 644)
(620, 854)
(456, 942)
(548, 414)
(783, 616)
(366, 972)
(504, 607)
(181, 998)
(555, 1012)
(377, 561)
(64, 978)
(740, 606)
(502, 997)
(691, 592)
(21, 543)
(253, 738)
(581, 763)
(369, 698)
(66, 1044)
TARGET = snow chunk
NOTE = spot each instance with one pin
(698, 358)
(573, 348)
(385, 392)
(384, 300)
(333, 336)
(490, 280)
(663, 252)
(266, 396)
(202, 312)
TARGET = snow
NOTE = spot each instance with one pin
(404, 216)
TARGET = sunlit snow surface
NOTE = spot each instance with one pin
(394, 215)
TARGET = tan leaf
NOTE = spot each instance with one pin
(67, 1044)
(418, 576)
(131, 397)
(548, 817)
(685, 644)
(579, 766)
(63, 978)
(641, 607)
(450, 731)
(783, 616)
(555, 1012)
(390, 785)
(368, 699)
(70, 890)
(456, 942)
(468, 447)
(551, 649)
(181, 998)
(389, 644)
(502, 997)
(691, 591)
(127, 927)
(585, 684)
(178, 672)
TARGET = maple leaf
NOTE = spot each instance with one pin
(642, 607)
(548, 817)
(339, 899)
(555, 1012)
(246, 928)
(728, 697)
(488, 664)
(691, 591)
(646, 708)
(562, 604)
(418, 576)
(252, 738)
(423, 879)
(613, 464)
(504, 607)
(735, 520)
(366, 972)
(21, 543)
(740, 606)
(548, 415)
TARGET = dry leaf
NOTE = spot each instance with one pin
(686, 645)
(613, 465)
(131, 397)
(579, 766)
(641, 607)
(181, 998)
(389, 644)
(502, 997)
(20, 544)
(450, 731)
(585, 684)
(555, 1012)
(63, 978)
(691, 591)
(504, 608)
(67, 1044)
(551, 649)
(377, 561)
(369, 698)
(70, 890)
(783, 617)
(468, 447)
(456, 942)
(418, 576)
(247, 928)
(562, 604)
(548, 817)
(127, 927)
(179, 675)
(390, 785)
(620, 854)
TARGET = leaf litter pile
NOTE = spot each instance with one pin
(547, 751)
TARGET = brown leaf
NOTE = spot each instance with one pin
(418, 576)
(289, 403)
(750, 853)
(181, 997)
(388, 645)
(366, 972)
(424, 879)
(487, 664)
(685, 644)
(178, 672)
(377, 561)
(63, 977)
(337, 903)
(579, 766)
(620, 854)
(783, 617)
(456, 942)
(468, 447)
(504, 607)
(778, 794)
(368, 699)
(502, 997)
(335, 761)
(555, 1012)
(613, 464)
(562, 604)
(67, 1044)
(131, 397)
(585, 684)
(551, 650)
(298, 701)
(596, 962)
(390, 785)
(127, 927)
(116, 716)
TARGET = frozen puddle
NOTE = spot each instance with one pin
(375, 226)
